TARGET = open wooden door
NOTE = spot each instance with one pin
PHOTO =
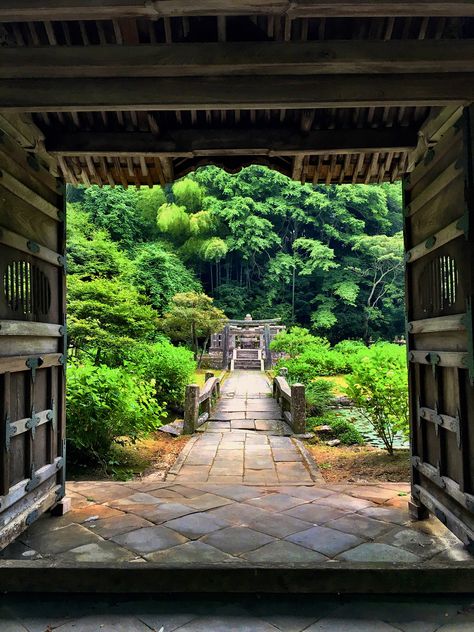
(439, 235)
(32, 339)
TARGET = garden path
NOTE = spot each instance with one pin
(239, 498)
(245, 440)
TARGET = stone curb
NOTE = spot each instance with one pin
(309, 461)
(182, 456)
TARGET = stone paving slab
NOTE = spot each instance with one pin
(236, 519)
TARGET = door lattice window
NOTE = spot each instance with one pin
(439, 284)
(27, 289)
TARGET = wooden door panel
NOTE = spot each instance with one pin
(439, 217)
(32, 340)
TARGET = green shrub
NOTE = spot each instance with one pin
(317, 361)
(105, 404)
(341, 428)
(319, 395)
(348, 351)
(171, 368)
(345, 431)
(295, 340)
(378, 387)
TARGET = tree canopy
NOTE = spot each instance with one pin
(328, 258)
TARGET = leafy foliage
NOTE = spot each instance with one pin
(378, 386)
(192, 318)
(170, 368)
(341, 428)
(106, 318)
(105, 405)
(319, 396)
(160, 274)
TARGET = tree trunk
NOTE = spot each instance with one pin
(293, 284)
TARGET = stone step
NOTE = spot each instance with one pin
(128, 577)
(248, 365)
(247, 353)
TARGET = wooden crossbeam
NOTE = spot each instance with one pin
(188, 143)
(31, 10)
(223, 58)
(259, 92)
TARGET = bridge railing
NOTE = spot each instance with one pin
(199, 401)
(292, 402)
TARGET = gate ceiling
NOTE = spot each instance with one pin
(137, 93)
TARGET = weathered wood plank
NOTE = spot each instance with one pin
(219, 58)
(31, 10)
(18, 491)
(20, 426)
(432, 190)
(439, 239)
(13, 240)
(23, 191)
(27, 328)
(5, 421)
(14, 364)
(457, 359)
(187, 93)
(444, 421)
(439, 324)
(187, 143)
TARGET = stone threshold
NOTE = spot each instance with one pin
(42, 576)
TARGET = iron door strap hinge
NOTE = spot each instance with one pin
(32, 517)
(33, 246)
(34, 363)
(10, 431)
(32, 423)
(434, 359)
(34, 480)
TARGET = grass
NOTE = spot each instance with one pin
(361, 464)
(199, 376)
(340, 382)
(153, 454)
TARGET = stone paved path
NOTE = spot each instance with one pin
(245, 440)
(234, 614)
(166, 523)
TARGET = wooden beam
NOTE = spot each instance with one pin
(194, 93)
(224, 58)
(37, 10)
(188, 143)
(440, 121)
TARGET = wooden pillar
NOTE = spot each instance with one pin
(191, 409)
(298, 408)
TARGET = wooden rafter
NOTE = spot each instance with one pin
(31, 10)
(259, 92)
(209, 142)
(223, 58)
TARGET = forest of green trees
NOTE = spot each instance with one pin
(326, 257)
(153, 272)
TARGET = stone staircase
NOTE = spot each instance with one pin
(247, 359)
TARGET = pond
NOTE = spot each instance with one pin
(366, 430)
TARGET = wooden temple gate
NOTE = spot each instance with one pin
(137, 93)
